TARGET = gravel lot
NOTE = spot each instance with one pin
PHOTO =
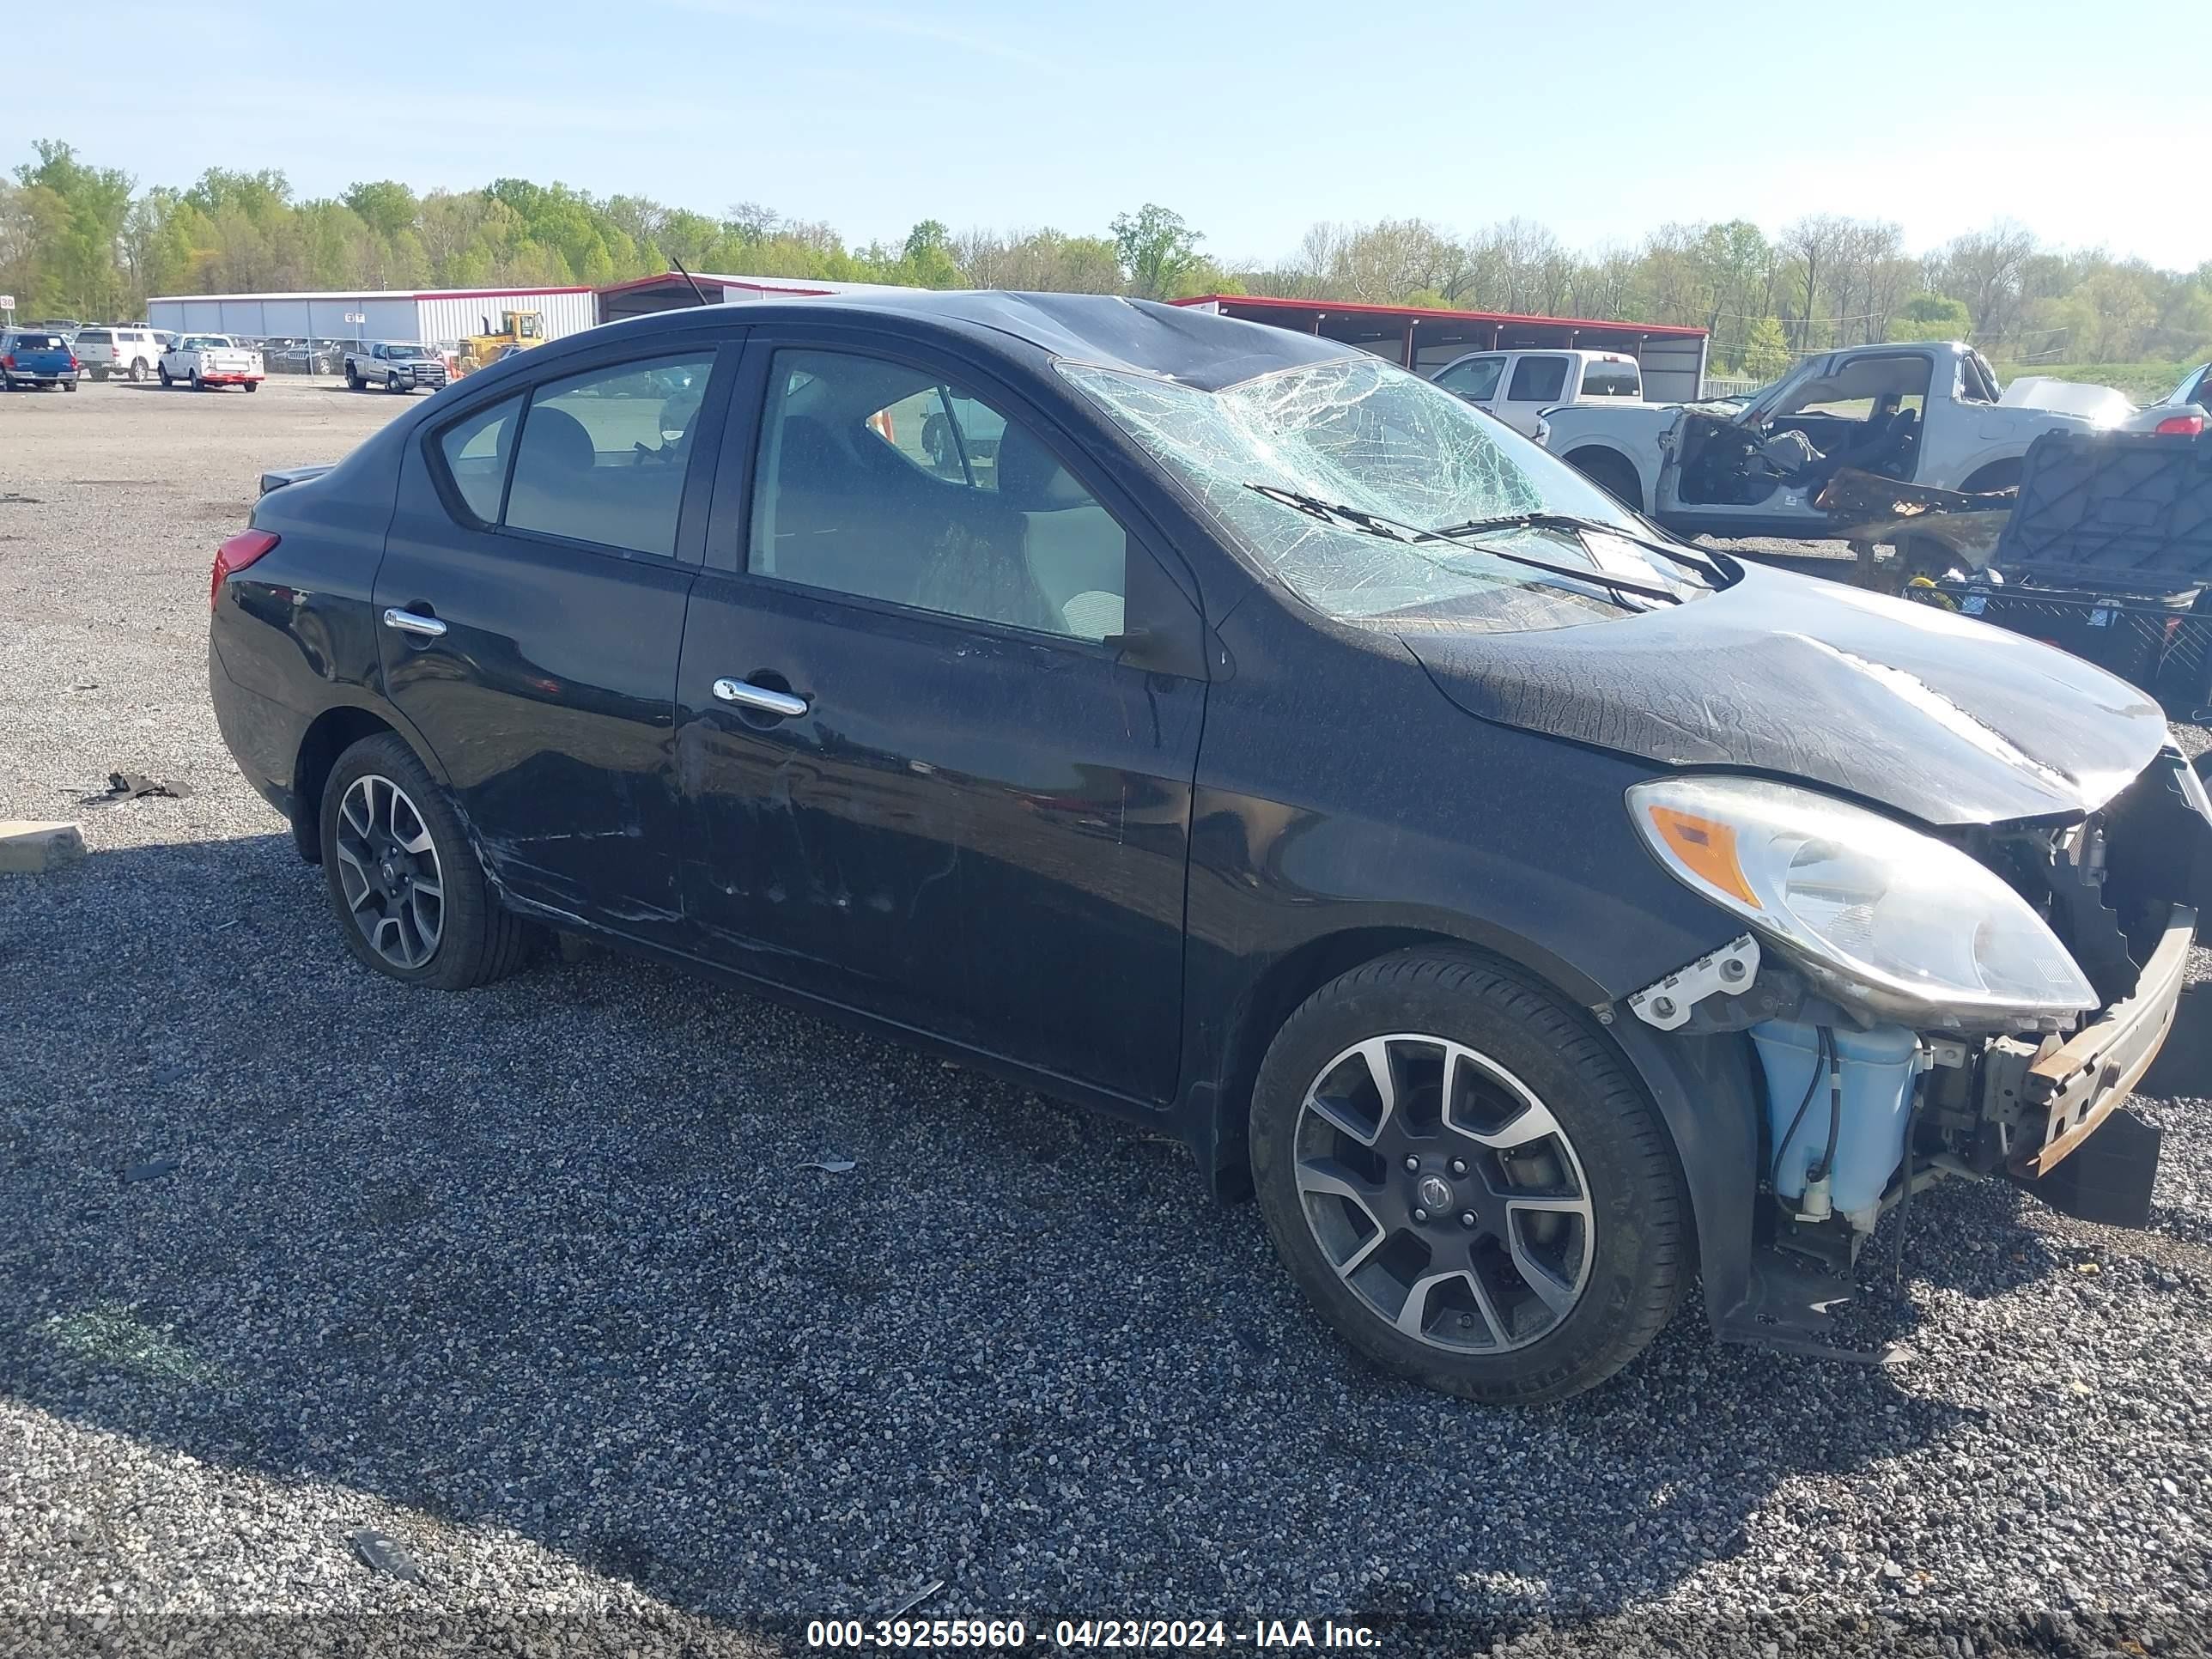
(532, 1280)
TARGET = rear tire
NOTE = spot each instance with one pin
(354, 382)
(1611, 474)
(377, 796)
(71, 385)
(1540, 1243)
(138, 370)
(253, 386)
(198, 384)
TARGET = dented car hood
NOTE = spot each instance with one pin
(1937, 716)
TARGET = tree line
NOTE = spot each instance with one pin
(83, 240)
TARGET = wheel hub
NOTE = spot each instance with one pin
(388, 871)
(1444, 1193)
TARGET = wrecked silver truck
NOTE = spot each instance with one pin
(1927, 415)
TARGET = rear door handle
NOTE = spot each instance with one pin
(761, 699)
(412, 621)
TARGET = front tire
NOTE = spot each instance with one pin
(168, 380)
(1466, 1182)
(410, 896)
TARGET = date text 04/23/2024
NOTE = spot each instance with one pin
(1004, 1634)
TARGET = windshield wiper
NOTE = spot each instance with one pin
(1704, 566)
(1396, 529)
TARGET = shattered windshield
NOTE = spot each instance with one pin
(1362, 434)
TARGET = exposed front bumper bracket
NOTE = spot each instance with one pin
(2077, 1086)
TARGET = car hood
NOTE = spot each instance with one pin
(1944, 718)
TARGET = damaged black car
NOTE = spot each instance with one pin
(1217, 725)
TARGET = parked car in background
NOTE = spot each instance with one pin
(125, 349)
(1535, 910)
(304, 356)
(395, 366)
(32, 358)
(1518, 386)
(2186, 410)
(202, 361)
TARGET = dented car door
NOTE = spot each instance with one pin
(920, 777)
(529, 607)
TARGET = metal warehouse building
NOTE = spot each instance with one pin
(432, 316)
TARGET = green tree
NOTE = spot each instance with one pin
(1158, 252)
(1926, 316)
(1765, 349)
(385, 205)
(77, 213)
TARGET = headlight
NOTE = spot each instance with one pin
(1875, 913)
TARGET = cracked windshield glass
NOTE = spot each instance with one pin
(1360, 434)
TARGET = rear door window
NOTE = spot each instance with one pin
(603, 454)
(1537, 380)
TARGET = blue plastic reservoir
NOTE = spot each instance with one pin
(1876, 1070)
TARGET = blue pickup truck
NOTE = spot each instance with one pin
(33, 357)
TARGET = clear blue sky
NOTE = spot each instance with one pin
(2089, 121)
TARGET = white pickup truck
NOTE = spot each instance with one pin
(1927, 414)
(201, 361)
(1518, 386)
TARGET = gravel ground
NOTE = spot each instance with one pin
(532, 1280)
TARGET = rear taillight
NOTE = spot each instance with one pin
(2181, 426)
(75, 365)
(9, 362)
(233, 555)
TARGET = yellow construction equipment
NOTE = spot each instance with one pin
(517, 330)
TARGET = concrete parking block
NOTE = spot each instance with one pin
(26, 846)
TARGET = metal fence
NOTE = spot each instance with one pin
(2162, 645)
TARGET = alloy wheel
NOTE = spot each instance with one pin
(388, 869)
(1444, 1193)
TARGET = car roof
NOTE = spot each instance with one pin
(1196, 348)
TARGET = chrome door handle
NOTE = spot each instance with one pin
(761, 699)
(410, 622)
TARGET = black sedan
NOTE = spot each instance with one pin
(1218, 725)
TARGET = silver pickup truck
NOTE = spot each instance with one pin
(394, 365)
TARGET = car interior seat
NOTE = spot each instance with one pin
(1076, 555)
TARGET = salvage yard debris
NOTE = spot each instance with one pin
(381, 1553)
(130, 786)
(1921, 522)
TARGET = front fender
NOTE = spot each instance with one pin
(1709, 1095)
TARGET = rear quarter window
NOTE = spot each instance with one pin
(473, 453)
(1612, 381)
